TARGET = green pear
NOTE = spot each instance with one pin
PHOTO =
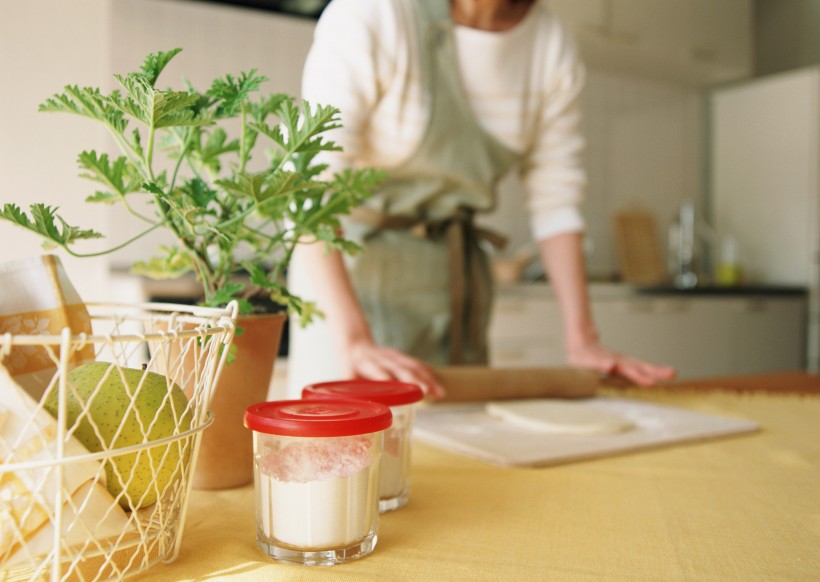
(147, 408)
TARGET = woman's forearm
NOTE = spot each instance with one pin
(563, 260)
(335, 295)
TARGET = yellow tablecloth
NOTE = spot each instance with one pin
(743, 508)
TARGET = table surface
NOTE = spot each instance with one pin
(740, 508)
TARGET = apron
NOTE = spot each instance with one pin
(424, 280)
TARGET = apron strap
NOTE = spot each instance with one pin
(434, 10)
(462, 237)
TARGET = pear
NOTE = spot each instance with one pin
(148, 408)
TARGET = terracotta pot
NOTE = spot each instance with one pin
(226, 452)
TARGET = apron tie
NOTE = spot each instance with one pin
(463, 238)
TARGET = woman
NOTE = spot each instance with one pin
(447, 97)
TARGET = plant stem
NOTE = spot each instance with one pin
(134, 213)
(186, 144)
(149, 153)
(243, 155)
(115, 248)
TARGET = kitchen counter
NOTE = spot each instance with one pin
(187, 289)
(740, 508)
(702, 332)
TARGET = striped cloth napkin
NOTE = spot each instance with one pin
(36, 298)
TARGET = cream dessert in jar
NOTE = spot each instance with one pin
(401, 397)
(316, 478)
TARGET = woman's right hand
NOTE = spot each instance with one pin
(365, 359)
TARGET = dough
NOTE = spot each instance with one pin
(557, 417)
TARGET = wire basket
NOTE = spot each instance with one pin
(96, 472)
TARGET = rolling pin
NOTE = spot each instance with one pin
(467, 383)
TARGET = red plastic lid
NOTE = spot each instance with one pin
(328, 418)
(387, 392)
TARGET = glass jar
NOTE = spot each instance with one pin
(401, 397)
(316, 478)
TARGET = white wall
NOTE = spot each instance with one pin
(645, 149)
(44, 45)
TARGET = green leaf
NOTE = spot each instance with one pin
(258, 187)
(136, 143)
(87, 102)
(304, 131)
(45, 222)
(120, 176)
(155, 63)
(155, 108)
(306, 311)
(197, 194)
(227, 293)
(173, 263)
(299, 135)
(232, 92)
(154, 188)
(329, 234)
(216, 145)
(257, 274)
(104, 197)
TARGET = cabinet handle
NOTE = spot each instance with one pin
(704, 54)
(672, 306)
(658, 306)
(510, 354)
(638, 307)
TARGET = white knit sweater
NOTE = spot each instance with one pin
(523, 85)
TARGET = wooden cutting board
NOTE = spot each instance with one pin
(467, 429)
(640, 258)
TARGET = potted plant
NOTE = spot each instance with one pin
(235, 221)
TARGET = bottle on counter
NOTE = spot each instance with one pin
(729, 272)
(682, 247)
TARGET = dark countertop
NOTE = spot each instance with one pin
(736, 290)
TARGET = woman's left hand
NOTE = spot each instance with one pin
(611, 363)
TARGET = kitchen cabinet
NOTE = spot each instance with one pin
(693, 42)
(701, 335)
(720, 37)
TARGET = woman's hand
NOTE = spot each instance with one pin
(610, 363)
(365, 359)
(564, 261)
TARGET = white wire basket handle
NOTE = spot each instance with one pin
(96, 462)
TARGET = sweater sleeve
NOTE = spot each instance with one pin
(552, 171)
(341, 70)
